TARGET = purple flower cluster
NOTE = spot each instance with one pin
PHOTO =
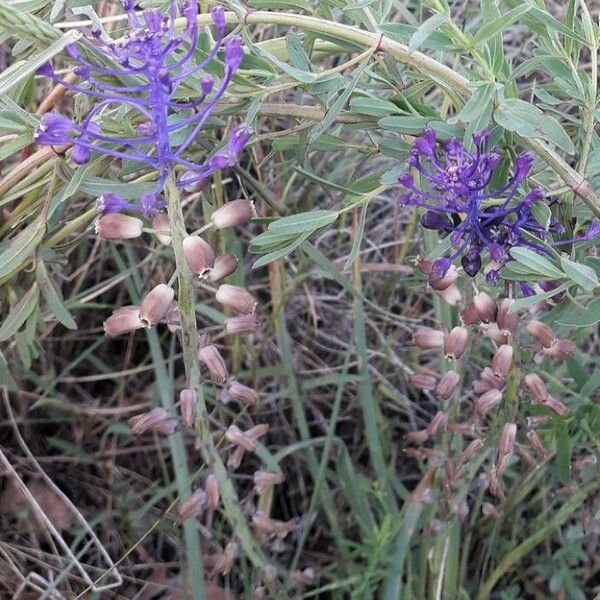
(154, 60)
(460, 203)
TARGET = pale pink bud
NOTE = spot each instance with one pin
(269, 526)
(188, 400)
(242, 393)
(116, 226)
(257, 431)
(537, 421)
(450, 295)
(213, 496)
(423, 265)
(561, 349)
(471, 450)
(192, 507)
(239, 438)
(492, 332)
(243, 325)
(232, 214)
(486, 402)
(536, 388)
(236, 298)
(507, 323)
(437, 424)
(502, 361)
(417, 437)
(447, 384)
(556, 406)
(541, 332)
(162, 228)
(441, 283)
(456, 343)
(226, 561)
(536, 442)
(234, 461)
(423, 381)
(198, 254)
(224, 266)
(173, 318)
(506, 447)
(470, 315)
(264, 480)
(485, 306)
(211, 358)
(427, 338)
(155, 420)
(123, 320)
(156, 304)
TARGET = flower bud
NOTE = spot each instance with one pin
(188, 400)
(556, 406)
(423, 381)
(242, 393)
(417, 437)
(257, 431)
(233, 214)
(536, 443)
(456, 343)
(487, 401)
(116, 226)
(561, 349)
(427, 338)
(198, 254)
(485, 306)
(507, 438)
(123, 320)
(264, 480)
(470, 315)
(156, 420)
(237, 437)
(162, 228)
(211, 488)
(438, 283)
(470, 451)
(214, 362)
(243, 325)
(268, 526)
(536, 388)
(192, 507)
(234, 461)
(156, 304)
(502, 361)
(541, 332)
(492, 332)
(507, 323)
(236, 298)
(224, 266)
(450, 295)
(447, 384)
(437, 424)
(173, 318)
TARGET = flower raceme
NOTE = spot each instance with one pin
(148, 67)
(460, 202)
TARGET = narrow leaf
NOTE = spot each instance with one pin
(582, 275)
(536, 263)
(425, 30)
(19, 313)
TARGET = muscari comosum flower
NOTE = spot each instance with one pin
(460, 202)
(148, 66)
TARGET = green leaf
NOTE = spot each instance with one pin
(21, 246)
(522, 303)
(301, 222)
(542, 214)
(529, 121)
(582, 275)
(376, 107)
(563, 452)
(358, 237)
(497, 25)
(590, 316)
(6, 379)
(19, 313)
(536, 263)
(425, 30)
(53, 297)
(297, 74)
(277, 254)
(476, 104)
(409, 125)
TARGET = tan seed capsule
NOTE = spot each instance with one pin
(156, 304)
(224, 266)
(437, 424)
(450, 295)
(492, 332)
(427, 338)
(447, 384)
(116, 226)
(471, 450)
(423, 381)
(237, 437)
(243, 325)
(536, 443)
(417, 437)
(213, 496)
(155, 420)
(470, 315)
(263, 480)
(456, 343)
(211, 358)
(242, 393)
(536, 388)
(485, 306)
(162, 228)
(541, 332)
(123, 320)
(188, 400)
(192, 507)
(233, 214)
(502, 361)
(556, 406)
(507, 323)
(199, 255)
(561, 350)
(236, 298)
(257, 431)
(487, 401)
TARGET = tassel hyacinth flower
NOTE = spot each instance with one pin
(148, 67)
(460, 202)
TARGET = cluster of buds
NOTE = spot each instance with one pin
(443, 286)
